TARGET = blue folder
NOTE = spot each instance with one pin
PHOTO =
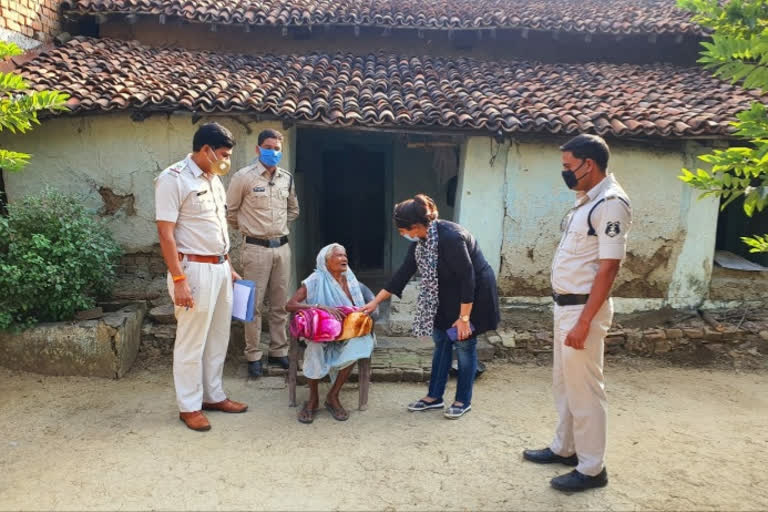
(243, 300)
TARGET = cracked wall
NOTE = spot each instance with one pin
(111, 162)
(669, 255)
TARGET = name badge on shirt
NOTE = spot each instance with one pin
(259, 189)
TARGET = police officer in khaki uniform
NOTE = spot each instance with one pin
(191, 223)
(261, 202)
(587, 260)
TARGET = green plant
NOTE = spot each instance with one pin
(55, 260)
(19, 107)
(738, 52)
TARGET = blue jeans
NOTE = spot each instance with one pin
(466, 353)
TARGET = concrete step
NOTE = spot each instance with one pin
(401, 359)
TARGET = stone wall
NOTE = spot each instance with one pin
(683, 337)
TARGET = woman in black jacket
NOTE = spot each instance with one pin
(457, 293)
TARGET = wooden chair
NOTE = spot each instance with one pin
(296, 350)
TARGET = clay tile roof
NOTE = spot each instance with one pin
(611, 16)
(394, 91)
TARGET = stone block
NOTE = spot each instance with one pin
(712, 335)
(764, 335)
(662, 346)
(508, 339)
(94, 348)
(387, 375)
(655, 334)
(523, 338)
(695, 333)
(164, 331)
(163, 314)
(495, 338)
(674, 334)
(485, 351)
(380, 362)
(406, 360)
(409, 375)
(637, 344)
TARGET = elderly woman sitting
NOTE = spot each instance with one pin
(329, 287)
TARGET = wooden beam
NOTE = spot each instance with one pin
(247, 28)
(524, 33)
(652, 37)
(161, 19)
(556, 35)
(213, 27)
(284, 32)
(479, 35)
(131, 18)
(450, 34)
(493, 33)
(679, 38)
(357, 30)
(420, 33)
(588, 37)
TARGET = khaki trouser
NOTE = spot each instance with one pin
(202, 335)
(579, 390)
(270, 269)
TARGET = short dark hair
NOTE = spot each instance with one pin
(419, 210)
(269, 134)
(214, 135)
(593, 147)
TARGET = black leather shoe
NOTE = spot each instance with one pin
(576, 482)
(254, 369)
(282, 362)
(547, 456)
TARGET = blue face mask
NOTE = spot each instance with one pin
(411, 238)
(270, 157)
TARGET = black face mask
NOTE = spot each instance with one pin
(569, 176)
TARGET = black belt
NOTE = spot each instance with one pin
(570, 299)
(272, 242)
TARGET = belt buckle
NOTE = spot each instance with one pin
(274, 243)
(221, 260)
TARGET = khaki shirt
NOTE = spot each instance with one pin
(196, 205)
(260, 208)
(577, 258)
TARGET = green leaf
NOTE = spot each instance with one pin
(12, 161)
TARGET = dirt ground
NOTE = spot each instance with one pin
(679, 439)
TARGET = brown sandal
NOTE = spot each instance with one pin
(339, 414)
(306, 415)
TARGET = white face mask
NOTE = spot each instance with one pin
(411, 238)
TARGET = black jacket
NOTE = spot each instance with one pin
(463, 275)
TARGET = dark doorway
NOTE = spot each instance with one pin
(733, 223)
(353, 208)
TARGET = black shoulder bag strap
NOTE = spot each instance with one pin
(592, 231)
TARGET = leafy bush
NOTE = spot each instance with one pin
(55, 260)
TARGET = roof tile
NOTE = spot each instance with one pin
(614, 16)
(396, 91)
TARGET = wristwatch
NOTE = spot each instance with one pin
(464, 318)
